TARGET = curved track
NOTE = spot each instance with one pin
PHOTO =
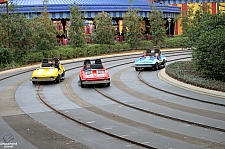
(138, 111)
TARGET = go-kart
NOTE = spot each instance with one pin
(96, 74)
(151, 60)
(47, 72)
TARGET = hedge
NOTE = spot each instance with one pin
(10, 59)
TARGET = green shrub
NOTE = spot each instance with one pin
(145, 44)
(6, 56)
(185, 72)
(175, 42)
(34, 57)
(117, 47)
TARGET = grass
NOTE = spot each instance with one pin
(185, 72)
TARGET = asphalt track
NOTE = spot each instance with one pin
(127, 114)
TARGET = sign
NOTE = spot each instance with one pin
(8, 137)
(3, 1)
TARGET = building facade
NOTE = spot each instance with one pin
(60, 12)
(214, 5)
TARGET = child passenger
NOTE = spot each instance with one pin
(87, 67)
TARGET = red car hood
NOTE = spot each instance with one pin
(95, 74)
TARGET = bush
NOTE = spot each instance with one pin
(6, 56)
(146, 44)
(33, 57)
(175, 42)
(22, 57)
(184, 72)
(206, 37)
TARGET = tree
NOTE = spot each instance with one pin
(27, 34)
(44, 32)
(77, 32)
(16, 28)
(132, 27)
(186, 17)
(157, 25)
(104, 33)
(206, 36)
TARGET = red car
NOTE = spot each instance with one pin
(94, 73)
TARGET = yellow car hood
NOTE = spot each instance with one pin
(45, 72)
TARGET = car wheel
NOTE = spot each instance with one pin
(63, 75)
(81, 84)
(57, 80)
(108, 84)
(156, 66)
(136, 68)
(34, 82)
(164, 63)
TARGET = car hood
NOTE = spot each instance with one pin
(145, 60)
(45, 72)
(95, 74)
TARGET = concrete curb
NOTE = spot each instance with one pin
(163, 76)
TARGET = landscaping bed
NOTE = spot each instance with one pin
(184, 71)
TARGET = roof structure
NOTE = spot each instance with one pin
(187, 1)
(90, 8)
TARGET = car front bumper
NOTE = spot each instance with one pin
(142, 66)
(42, 79)
(96, 82)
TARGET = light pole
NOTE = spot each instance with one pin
(169, 21)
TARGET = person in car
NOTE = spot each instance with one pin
(87, 67)
(144, 54)
(53, 63)
(157, 55)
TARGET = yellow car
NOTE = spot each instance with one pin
(53, 71)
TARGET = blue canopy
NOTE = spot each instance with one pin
(90, 8)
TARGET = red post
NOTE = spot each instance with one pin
(176, 24)
(213, 7)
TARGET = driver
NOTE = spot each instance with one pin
(157, 55)
(52, 63)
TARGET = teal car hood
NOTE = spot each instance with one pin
(145, 60)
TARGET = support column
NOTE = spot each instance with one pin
(213, 7)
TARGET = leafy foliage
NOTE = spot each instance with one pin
(6, 56)
(186, 17)
(184, 72)
(43, 31)
(15, 28)
(26, 34)
(157, 25)
(104, 34)
(175, 42)
(77, 32)
(206, 36)
(131, 24)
